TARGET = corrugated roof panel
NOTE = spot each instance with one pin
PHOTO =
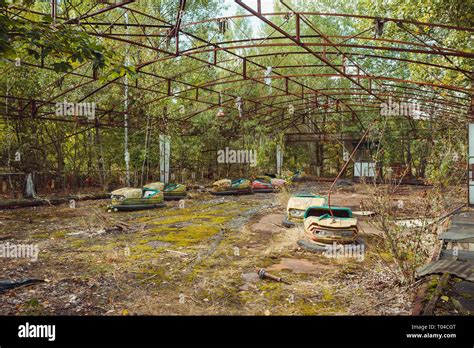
(461, 269)
(465, 218)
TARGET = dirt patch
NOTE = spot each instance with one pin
(300, 266)
(268, 224)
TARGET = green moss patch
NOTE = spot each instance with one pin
(190, 235)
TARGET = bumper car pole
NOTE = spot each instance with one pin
(346, 164)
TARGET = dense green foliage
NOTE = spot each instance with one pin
(79, 65)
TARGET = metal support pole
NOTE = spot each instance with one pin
(54, 10)
(470, 179)
(125, 115)
(298, 36)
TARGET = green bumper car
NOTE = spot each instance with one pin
(297, 206)
(132, 199)
(228, 187)
(174, 192)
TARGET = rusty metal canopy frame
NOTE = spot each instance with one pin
(296, 83)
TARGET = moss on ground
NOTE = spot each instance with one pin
(151, 273)
(190, 235)
(59, 234)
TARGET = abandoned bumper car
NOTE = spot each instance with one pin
(174, 192)
(129, 199)
(231, 187)
(266, 183)
(326, 227)
(297, 206)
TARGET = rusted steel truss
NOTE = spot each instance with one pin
(336, 57)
